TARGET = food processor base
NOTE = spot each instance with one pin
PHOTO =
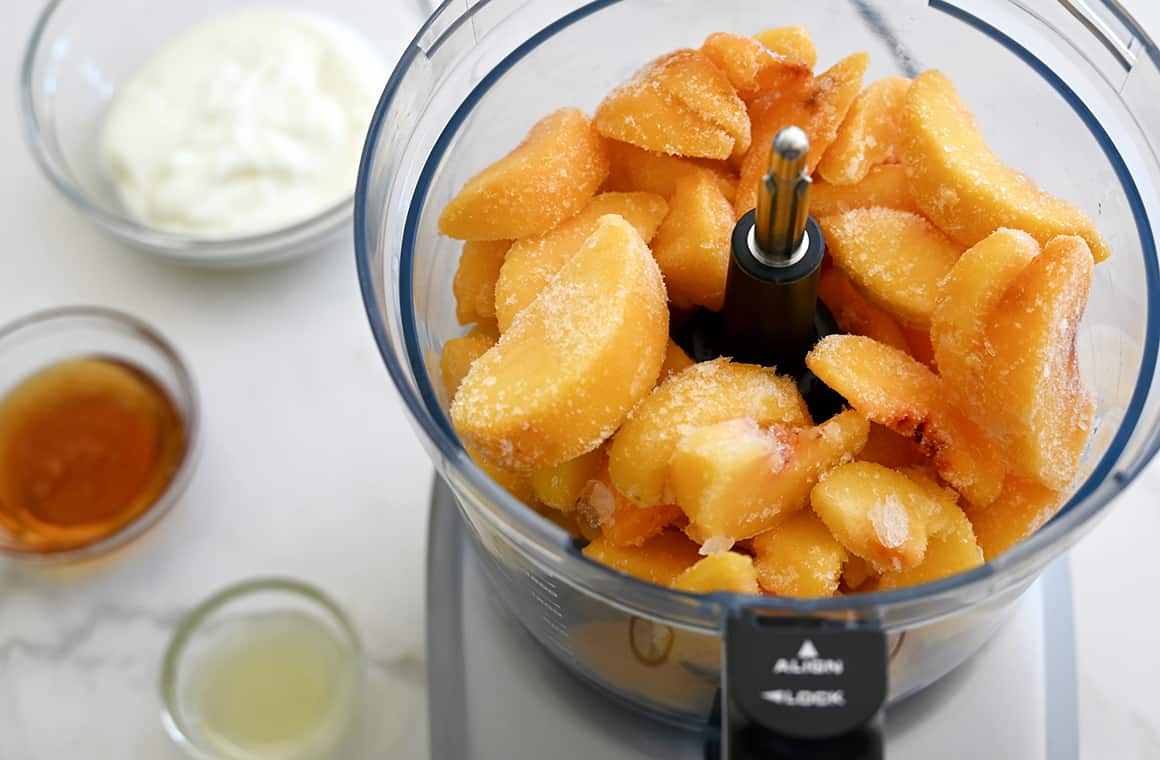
(494, 693)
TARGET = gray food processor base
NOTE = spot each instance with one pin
(495, 694)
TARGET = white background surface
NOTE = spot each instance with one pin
(310, 469)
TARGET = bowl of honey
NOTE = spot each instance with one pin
(98, 426)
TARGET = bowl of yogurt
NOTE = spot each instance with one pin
(214, 133)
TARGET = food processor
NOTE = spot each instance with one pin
(1064, 90)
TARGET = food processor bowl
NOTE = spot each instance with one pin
(1064, 91)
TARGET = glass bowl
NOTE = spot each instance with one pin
(45, 338)
(219, 620)
(1066, 92)
(77, 57)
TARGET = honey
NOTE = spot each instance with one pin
(86, 446)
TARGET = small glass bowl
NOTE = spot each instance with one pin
(44, 338)
(78, 56)
(212, 620)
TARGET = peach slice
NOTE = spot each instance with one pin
(963, 187)
(1032, 388)
(876, 513)
(1022, 508)
(870, 135)
(952, 552)
(893, 389)
(857, 574)
(560, 487)
(884, 185)
(634, 169)
(533, 262)
(474, 283)
(566, 373)
(659, 560)
(896, 259)
(735, 480)
(799, 558)
(604, 510)
(703, 394)
(692, 79)
(792, 43)
(565, 520)
(751, 67)
(726, 571)
(679, 104)
(458, 356)
(920, 345)
(967, 297)
(515, 483)
(854, 314)
(818, 107)
(676, 360)
(890, 449)
(692, 244)
(546, 179)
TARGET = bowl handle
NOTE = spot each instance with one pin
(798, 689)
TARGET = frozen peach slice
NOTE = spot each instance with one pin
(726, 571)
(1031, 384)
(691, 77)
(659, 560)
(1023, 507)
(735, 480)
(565, 520)
(605, 510)
(645, 115)
(895, 258)
(966, 189)
(870, 135)
(703, 394)
(751, 67)
(531, 263)
(817, 106)
(675, 360)
(692, 244)
(566, 373)
(884, 185)
(854, 314)
(967, 297)
(634, 169)
(895, 390)
(943, 514)
(790, 42)
(560, 487)
(890, 449)
(857, 574)
(515, 483)
(920, 346)
(952, 551)
(458, 356)
(680, 104)
(799, 558)
(875, 512)
(549, 177)
(474, 282)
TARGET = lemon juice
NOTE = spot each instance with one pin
(278, 685)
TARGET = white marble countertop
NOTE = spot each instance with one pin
(310, 469)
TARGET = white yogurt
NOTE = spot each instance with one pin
(246, 123)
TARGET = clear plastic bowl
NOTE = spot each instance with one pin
(1066, 93)
(79, 53)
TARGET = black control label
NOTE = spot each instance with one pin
(800, 679)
